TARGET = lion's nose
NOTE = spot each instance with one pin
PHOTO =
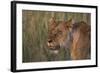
(49, 41)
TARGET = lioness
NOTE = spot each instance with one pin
(75, 36)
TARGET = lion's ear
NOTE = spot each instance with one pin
(69, 24)
(52, 20)
(52, 23)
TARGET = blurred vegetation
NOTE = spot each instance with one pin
(35, 33)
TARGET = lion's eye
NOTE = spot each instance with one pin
(69, 26)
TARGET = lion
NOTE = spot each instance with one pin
(75, 36)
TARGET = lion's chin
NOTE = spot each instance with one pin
(54, 51)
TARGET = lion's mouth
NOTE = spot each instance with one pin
(54, 49)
